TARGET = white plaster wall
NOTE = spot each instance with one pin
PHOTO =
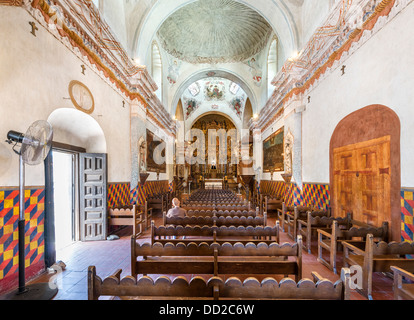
(34, 78)
(314, 12)
(379, 72)
(114, 15)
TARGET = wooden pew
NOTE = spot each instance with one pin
(216, 207)
(403, 291)
(215, 258)
(332, 238)
(376, 257)
(147, 213)
(128, 215)
(223, 213)
(271, 204)
(215, 288)
(289, 216)
(158, 202)
(210, 234)
(315, 220)
(215, 221)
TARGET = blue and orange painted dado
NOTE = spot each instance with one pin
(34, 235)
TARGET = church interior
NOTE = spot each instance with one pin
(283, 127)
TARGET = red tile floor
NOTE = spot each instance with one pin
(109, 256)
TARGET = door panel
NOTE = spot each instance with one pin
(362, 181)
(93, 197)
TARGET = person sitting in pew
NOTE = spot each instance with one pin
(176, 210)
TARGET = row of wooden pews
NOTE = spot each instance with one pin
(214, 241)
(365, 247)
(139, 216)
(221, 241)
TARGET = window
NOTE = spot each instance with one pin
(194, 89)
(271, 66)
(157, 69)
(234, 88)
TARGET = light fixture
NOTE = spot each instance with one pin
(294, 56)
(136, 61)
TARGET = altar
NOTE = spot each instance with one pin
(214, 184)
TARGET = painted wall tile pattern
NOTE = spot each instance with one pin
(119, 194)
(407, 213)
(34, 230)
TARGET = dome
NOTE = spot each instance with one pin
(214, 31)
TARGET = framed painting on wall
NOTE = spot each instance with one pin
(155, 153)
(273, 152)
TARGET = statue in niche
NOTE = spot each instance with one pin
(288, 153)
(181, 171)
(142, 155)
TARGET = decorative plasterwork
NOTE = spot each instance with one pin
(215, 31)
(15, 3)
(349, 25)
(79, 26)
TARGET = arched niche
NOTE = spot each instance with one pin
(365, 160)
(76, 128)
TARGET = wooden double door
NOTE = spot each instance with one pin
(362, 181)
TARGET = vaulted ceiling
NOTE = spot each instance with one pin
(197, 37)
(214, 31)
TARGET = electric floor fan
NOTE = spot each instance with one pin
(35, 145)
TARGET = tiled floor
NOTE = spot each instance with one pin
(109, 256)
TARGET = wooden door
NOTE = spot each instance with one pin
(93, 196)
(361, 181)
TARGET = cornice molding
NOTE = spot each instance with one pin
(79, 26)
(330, 46)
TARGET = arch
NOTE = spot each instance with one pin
(199, 75)
(210, 113)
(74, 127)
(353, 134)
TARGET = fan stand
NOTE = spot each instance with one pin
(36, 291)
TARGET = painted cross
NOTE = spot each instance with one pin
(34, 28)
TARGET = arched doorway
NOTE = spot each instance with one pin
(365, 169)
(77, 139)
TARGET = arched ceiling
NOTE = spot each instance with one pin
(235, 15)
(214, 31)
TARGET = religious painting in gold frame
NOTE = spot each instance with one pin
(273, 152)
(81, 97)
(155, 153)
